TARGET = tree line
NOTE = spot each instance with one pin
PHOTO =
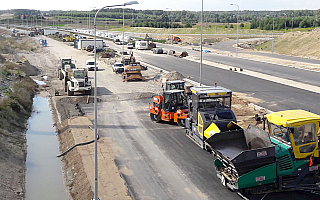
(178, 19)
(271, 23)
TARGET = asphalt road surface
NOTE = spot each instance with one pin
(228, 46)
(158, 161)
(274, 96)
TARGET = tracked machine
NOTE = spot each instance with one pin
(209, 113)
(284, 155)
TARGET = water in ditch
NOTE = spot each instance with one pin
(44, 178)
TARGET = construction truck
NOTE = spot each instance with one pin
(150, 42)
(171, 105)
(64, 70)
(209, 113)
(284, 155)
(78, 81)
(132, 72)
(68, 38)
(176, 39)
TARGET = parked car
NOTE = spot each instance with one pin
(90, 65)
(118, 67)
(157, 50)
(130, 46)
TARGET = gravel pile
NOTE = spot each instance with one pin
(173, 75)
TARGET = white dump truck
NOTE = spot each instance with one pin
(79, 82)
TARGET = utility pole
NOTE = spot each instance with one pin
(200, 81)
(285, 23)
(292, 23)
(272, 32)
(237, 28)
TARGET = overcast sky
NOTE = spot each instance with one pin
(194, 5)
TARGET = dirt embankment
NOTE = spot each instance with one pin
(16, 94)
(302, 44)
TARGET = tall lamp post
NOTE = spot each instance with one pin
(90, 15)
(292, 23)
(201, 19)
(272, 32)
(95, 99)
(122, 34)
(170, 30)
(232, 4)
(285, 23)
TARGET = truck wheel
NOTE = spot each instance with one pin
(181, 122)
(223, 180)
(87, 92)
(155, 118)
(61, 75)
(69, 93)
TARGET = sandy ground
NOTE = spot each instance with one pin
(74, 128)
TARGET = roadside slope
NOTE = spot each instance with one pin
(302, 44)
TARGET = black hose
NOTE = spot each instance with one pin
(80, 144)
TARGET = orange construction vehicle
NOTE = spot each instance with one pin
(132, 72)
(171, 105)
(176, 39)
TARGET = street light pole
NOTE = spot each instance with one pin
(95, 100)
(237, 28)
(272, 32)
(285, 23)
(200, 81)
(292, 23)
(122, 33)
(170, 27)
(89, 16)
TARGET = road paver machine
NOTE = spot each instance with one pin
(284, 155)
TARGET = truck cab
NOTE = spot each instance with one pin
(79, 82)
(173, 85)
(209, 113)
(297, 128)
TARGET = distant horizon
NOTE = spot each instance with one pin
(174, 10)
(169, 5)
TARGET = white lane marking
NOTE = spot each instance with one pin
(266, 77)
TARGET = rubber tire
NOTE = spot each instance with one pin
(223, 181)
(87, 92)
(181, 123)
(155, 118)
(69, 93)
